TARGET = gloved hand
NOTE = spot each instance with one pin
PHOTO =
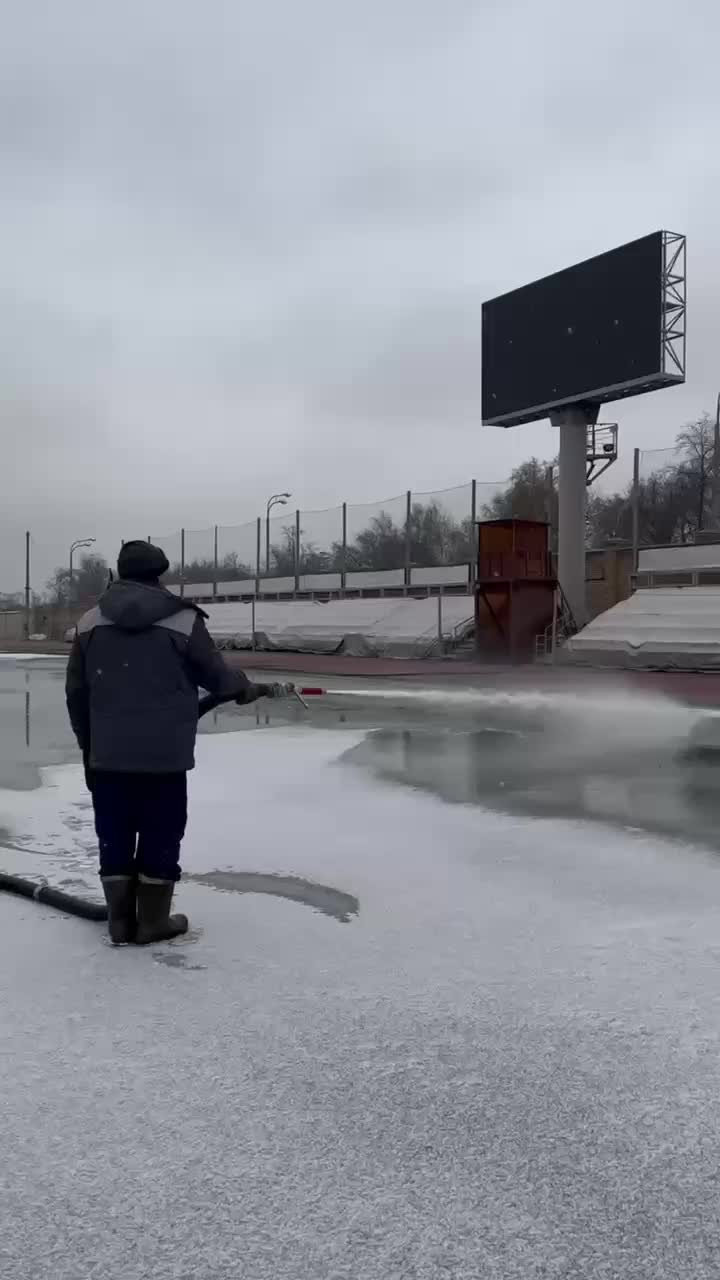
(251, 694)
(277, 690)
(210, 701)
(255, 691)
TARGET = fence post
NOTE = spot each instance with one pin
(297, 551)
(343, 557)
(473, 534)
(408, 539)
(636, 510)
(258, 555)
(27, 585)
(182, 562)
(253, 605)
(440, 619)
(215, 562)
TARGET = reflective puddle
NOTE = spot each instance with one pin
(661, 788)
(321, 897)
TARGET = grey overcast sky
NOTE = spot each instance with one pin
(245, 246)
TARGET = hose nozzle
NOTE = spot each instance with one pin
(285, 690)
(280, 690)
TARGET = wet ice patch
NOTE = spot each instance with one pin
(251, 814)
(50, 831)
(321, 897)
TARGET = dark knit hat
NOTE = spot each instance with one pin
(142, 562)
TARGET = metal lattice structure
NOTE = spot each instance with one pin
(674, 305)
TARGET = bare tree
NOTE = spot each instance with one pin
(696, 444)
(284, 563)
(202, 569)
(89, 580)
(528, 495)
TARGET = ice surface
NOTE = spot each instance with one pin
(505, 1066)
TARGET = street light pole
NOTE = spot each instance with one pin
(277, 500)
(75, 546)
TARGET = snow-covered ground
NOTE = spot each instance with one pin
(504, 1064)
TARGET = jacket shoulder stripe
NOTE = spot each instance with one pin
(90, 620)
(182, 622)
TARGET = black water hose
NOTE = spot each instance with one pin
(53, 897)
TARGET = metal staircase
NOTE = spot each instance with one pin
(557, 632)
(462, 644)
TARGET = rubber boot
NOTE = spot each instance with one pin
(120, 897)
(154, 922)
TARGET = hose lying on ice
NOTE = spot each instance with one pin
(53, 897)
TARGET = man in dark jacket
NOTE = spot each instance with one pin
(137, 662)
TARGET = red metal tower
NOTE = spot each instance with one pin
(514, 588)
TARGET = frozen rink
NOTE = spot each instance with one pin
(503, 1065)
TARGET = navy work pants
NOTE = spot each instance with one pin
(140, 821)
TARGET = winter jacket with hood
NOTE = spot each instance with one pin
(137, 662)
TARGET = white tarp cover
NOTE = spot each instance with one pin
(401, 628)
(679, 559)
(663, 628)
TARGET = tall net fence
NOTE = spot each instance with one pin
(398, 542)
(678, 492)
(199, 556)
(376, 535)
(655, 462)
(399, 534)
(441, 527)
(321, 541)
(222, 554)
(495, 499)
(237, 552)
(278, 546)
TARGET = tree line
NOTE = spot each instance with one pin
(674, 505)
